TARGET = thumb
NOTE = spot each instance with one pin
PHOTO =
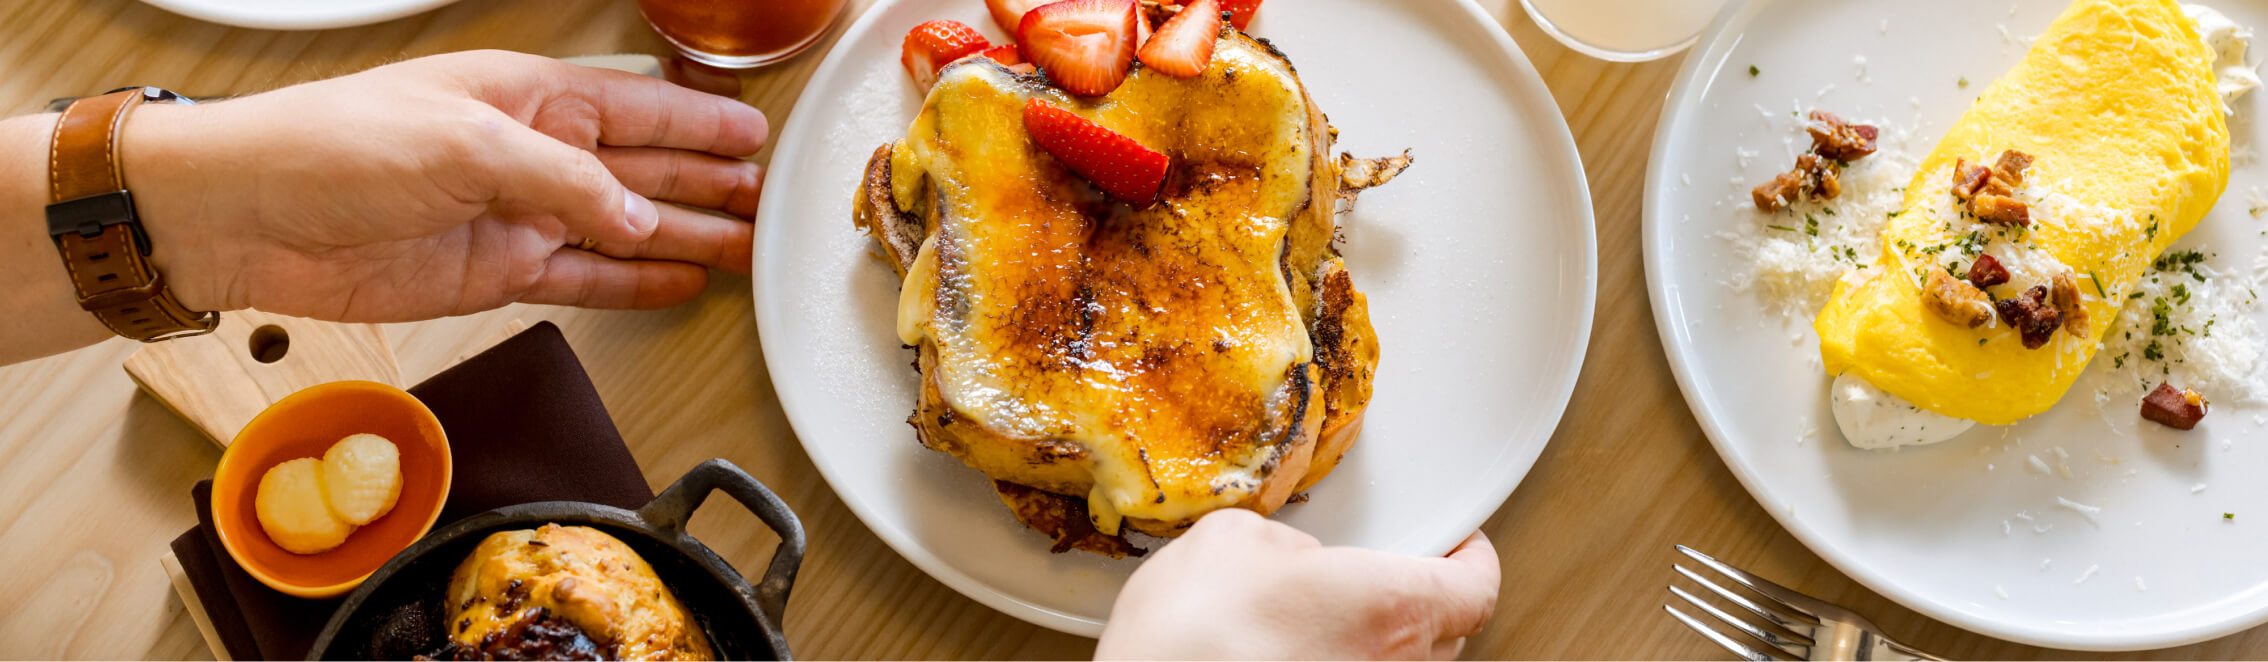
(528, 171)
(1461, 587)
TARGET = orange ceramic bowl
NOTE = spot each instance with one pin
(305, 424)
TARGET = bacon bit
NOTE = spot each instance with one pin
(2031, 315)
(1955, 301)
(2067, 302)
(1826, 177)
(1834, 142)
(1836, 139)
(2010, 167)
(2180, 410)
(1774, 195)
(2000, 210)
(1968, 179)
(1987, 272)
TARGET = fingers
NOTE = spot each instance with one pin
(690, 236)
(629, 110)
(524, 171)
(701, 180)
(581, 278)
(1250, 528)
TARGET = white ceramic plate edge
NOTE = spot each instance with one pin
(226, 13)
(1711, 54)
(1529, 85)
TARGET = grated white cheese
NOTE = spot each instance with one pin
(2191, 326)
(2083, 509)
(2089, 574)
(2138, 585)
(2002, 592)
(2194, 489)
(1799, 252)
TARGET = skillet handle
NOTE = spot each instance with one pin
(675, 507)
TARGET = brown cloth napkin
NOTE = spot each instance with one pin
(524, 425)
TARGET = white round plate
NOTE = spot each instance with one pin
(1479, 263)
(1941, 529)
(296, 14)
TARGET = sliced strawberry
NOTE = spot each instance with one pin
(1183, 46)
(1114, 162)
(1240, 11)
(1010, 13)
(1141, 27)
(1086, 46)
(930, 46)
(1004, 54)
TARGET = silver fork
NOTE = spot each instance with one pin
(1791, 625)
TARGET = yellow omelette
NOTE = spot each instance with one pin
(2117, 106)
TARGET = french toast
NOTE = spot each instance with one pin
(1121, 367)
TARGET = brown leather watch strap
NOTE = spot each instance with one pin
(91, 217)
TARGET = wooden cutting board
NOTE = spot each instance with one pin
(219, 381)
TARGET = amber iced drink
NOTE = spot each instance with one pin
(740, 34)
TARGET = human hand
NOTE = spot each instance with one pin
(447, 185)
(1238, 586)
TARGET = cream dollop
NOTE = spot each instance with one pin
(1874, 419)
(2228, 41)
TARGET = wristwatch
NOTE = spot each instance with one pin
(90, 216)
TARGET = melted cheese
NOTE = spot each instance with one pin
(1158, 340)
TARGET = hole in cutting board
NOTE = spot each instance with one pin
(269, 343)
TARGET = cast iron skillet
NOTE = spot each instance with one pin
(397, 613)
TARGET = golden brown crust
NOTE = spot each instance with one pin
(1315, 417)
(584, 576)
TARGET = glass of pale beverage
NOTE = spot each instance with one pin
(1624, 30)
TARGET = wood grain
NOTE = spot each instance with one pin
(94, 478)
(220, 380)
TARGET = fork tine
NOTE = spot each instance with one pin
(1807, 605)
(1737, 649)
(1797, 645)
(1779, 614)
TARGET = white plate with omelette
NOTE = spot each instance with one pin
(2079, 524)
(1478, 263)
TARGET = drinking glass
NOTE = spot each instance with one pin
(741, 34)
(1624, 30)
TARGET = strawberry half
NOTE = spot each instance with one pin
(1004, 54)
(931, 46)
(1141, 26)
(1183, 47)
(1086, 46)
(1240, 11)
(1114, 162)
(1010, 13)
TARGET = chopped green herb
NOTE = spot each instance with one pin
(2098, 281)
(2154, 352)
(2229, 516)
(1895, 212)
(1752, 70)
(2161, 315)
(1810, 225)
(1964, 82)
(1980, 341)
(2181, 294)
(1789, 229)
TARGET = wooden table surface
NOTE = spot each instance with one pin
(95, 477)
